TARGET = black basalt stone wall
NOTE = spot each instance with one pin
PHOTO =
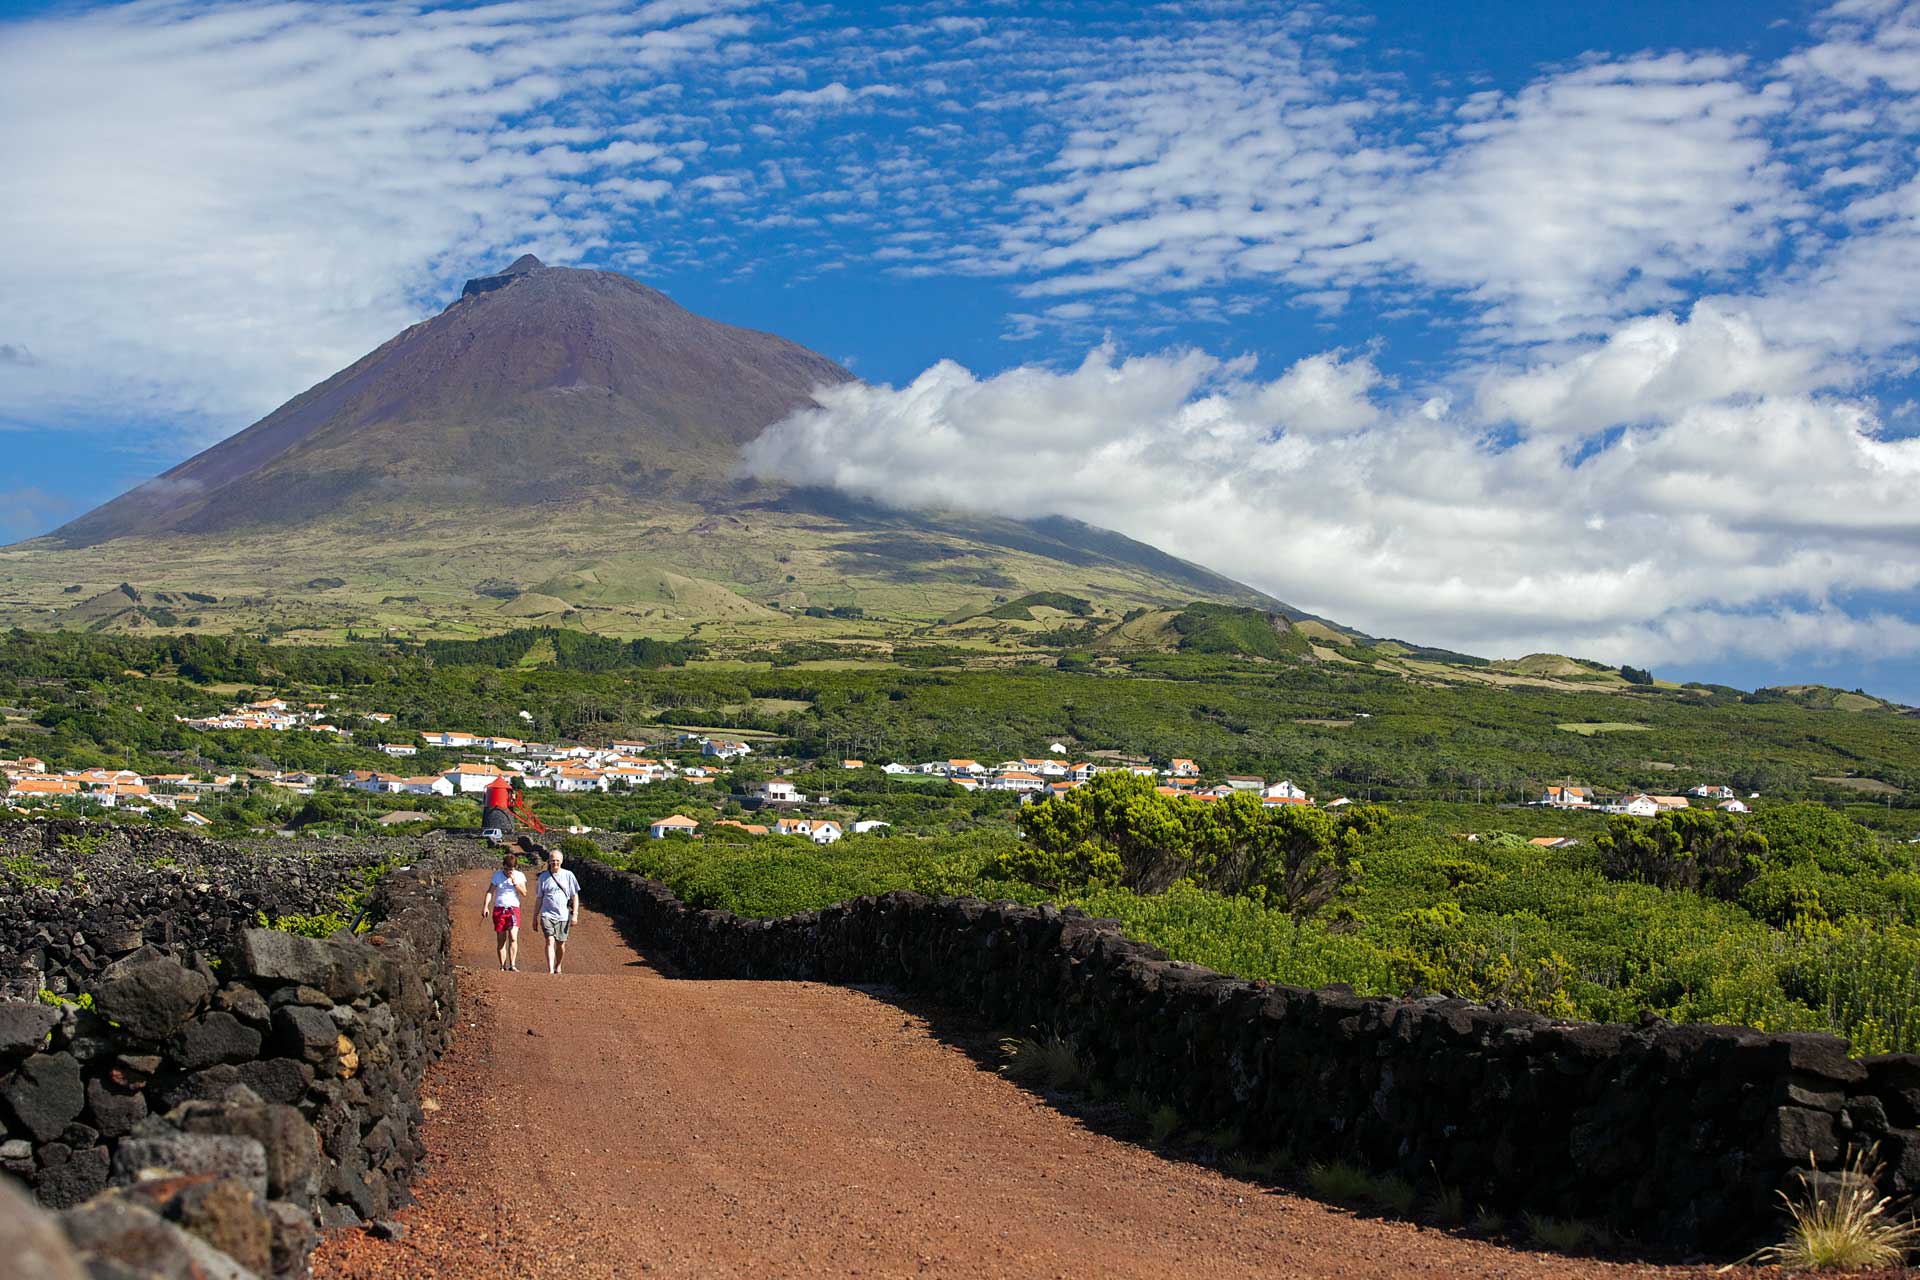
(280, 1070)
(1676, 1136)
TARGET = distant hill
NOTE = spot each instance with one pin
(1822, 698)
(556, 447)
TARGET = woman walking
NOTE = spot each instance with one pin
(503, 908)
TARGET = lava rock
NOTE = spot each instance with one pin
(212, 1038)
(115, 1229)
(114, 1113)
(79, 1175)
(179, 1154)
(150, 994)
(305, 1033)
(341, 967)
(24, 1027)
(45, 1094)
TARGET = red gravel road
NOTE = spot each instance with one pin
(615, 1122)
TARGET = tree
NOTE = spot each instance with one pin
(1120, 828)
(1709, 853)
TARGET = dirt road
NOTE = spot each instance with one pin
(617, 1122)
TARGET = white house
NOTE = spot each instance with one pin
(673, 825)
(431, 786)
(1733, 806)
(399, 749)
(866, 825)
(1640, 806)
(825, 832)
(1709, 792)
(1284, 790)
(1017, 780)
(778, 791)
(446, 738)
(193, 819)
(474, 777)
(1058, 748)
(963, 768)
(573, 777)
(1566, 797)
(895, 768)
(723, 749)
(1180, 768)
(1246, 782)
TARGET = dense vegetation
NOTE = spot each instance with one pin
(1805, 914)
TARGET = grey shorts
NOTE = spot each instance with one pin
(555, 927)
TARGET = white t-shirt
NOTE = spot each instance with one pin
(506, 889)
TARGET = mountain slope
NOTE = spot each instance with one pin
(557, 445)
(539, 384)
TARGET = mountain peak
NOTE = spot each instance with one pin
(522, 265)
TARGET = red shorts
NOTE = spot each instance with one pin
(505, 918)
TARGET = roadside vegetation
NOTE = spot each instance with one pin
(1804, 914)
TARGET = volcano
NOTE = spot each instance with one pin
(557, 444)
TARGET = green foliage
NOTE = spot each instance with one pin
(1242, 632)
(1021, 610)
(576, 847)
(572, 650)
(81, 845)
(1120, 829)
(83, 1001)
(1711, 853)
(323, 924)
(28, 873)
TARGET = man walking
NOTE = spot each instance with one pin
(503, 908)
(559, 908)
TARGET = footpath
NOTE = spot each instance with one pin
(617, 1122)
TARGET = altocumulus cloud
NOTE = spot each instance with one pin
(1326, 488)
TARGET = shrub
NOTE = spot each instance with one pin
(1163, 1122)
(1563, 1234)
(1043, 1059)
(1848, 1229)
(1340, 1182)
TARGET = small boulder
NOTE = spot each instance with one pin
(131, 1239)
(305, 1033)
(150, 994)
(340, 966)
(24, 1027)
(113, 1112)
(45, 1095)
(80, 1175)
(214, 1038)
(178, 1154)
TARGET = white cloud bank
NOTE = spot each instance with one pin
(1726, 525)
(210, 206)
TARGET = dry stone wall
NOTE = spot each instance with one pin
(1676, 1136)
(243, 1085)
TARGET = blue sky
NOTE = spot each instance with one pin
(1500, 326)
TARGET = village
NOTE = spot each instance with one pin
(1640, 805)
(693, 758)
